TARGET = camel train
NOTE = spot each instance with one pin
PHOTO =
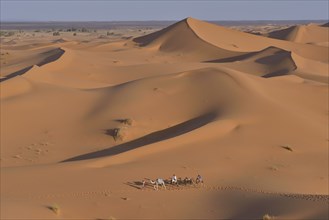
(174, 181)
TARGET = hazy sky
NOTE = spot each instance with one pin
(96, 10)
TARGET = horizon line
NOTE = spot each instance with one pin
(26, 21)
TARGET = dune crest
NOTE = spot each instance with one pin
(181, 38)
(191, 34)
(269, 62)
(40, 59)
(303, 34)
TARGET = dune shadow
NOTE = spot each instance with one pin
(275, 58)
(53, 56)
(255, 204)
(275, 206)
(281, 34)
(282, 72)
(278, 55)
(325, 25)
(258, 207)
(149, 38)
(17, 73)
(233, 59)
(154, 137)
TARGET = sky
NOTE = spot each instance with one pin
(102, 10)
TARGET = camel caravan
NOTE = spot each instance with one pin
(173, 181)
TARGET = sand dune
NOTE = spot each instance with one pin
(269, 62)
(26, 61)
(60, 40)
(231, 40)
(307, 34)
(311, 69)
(181, 38)
(85, 120)
(325, 25)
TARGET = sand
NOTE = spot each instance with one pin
(85, 119)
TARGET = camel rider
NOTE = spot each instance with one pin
(199, 179)
(174, 179)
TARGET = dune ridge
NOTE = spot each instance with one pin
(180, 37)
(230, 40)
(269, 62)
(44, 58)
(303, 34)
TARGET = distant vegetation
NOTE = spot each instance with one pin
(7, 33)
(58, 32)
(55, 208)
(127, 121)
(71, 29)
(118, 134)
(287, 147)
(84, 30)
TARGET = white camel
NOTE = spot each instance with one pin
(158, 182)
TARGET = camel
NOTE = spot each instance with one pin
(158, 182)
(188, 181)
(199, 179)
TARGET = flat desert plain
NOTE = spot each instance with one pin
(86, 119)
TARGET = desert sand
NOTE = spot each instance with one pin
(85, 119)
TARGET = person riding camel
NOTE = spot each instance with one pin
(199, 179)
(143, 184)
(174, 179)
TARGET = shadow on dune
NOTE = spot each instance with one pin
(284, 34)
(259, 207)
(325, 25)
(154, 137)
(278, 60)
(51, 56)
(274, 58)
(233, 59)
(149, 38)
(278, 207)
(17, 73)
(282, 72)
(250, 205)
(269, 55)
